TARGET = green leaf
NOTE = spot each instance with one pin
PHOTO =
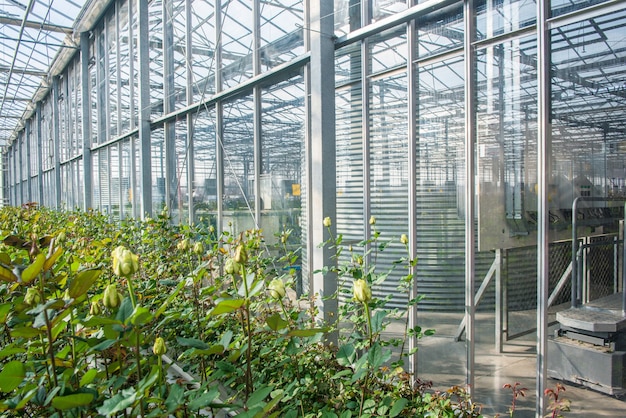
(97, 321)
(32, 271)
(82, 282)
(398, 407)
(119, 402)
(88, 377)
(226, 306)
(276, 322)
(6, 274)
(377, 321)
(5, 258)
(5, 308)
(214, 349)
(346, 355)
(192, 342)
(12, 375)
(72, 401)
(305, 332)
(103, 345)
(258, 396)
(148, 381)
(203, 400)
(125, 311)
(175, 398)
(141, 316)
(25, 332)
(170, 298)
(11, 350)
(52, 259)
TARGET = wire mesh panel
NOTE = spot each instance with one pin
(520, 277)
(600, 265)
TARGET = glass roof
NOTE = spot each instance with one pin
(31, 34)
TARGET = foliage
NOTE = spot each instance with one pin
(128, 318)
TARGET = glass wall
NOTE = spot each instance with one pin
(230, 137)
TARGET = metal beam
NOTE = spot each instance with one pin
(49, 27)
(25, 71)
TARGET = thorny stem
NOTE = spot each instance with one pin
(249, 334)
(50, 346)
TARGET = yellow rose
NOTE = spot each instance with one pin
(241, 256)
(125, 262)
(277, 289)
(362, 292)
(111, 298)
(327, 222)
(372, 220)
(404, 239)
(159, 347)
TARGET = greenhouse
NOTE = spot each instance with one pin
(481, 139)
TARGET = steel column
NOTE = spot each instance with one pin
(145, 162)
(172, 182)
(412, 114)
(470, 189)
(323, 154)
(543, 175)
(56, 139)
(86, 121)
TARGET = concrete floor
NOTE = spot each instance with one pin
(442, 360)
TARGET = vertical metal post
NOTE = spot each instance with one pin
(543, 173)
(323, 153)
(498, 313)
(256, 106)
(412, 114)
(172, 182)
(38, 132)
(624, 264)
(219, 118)
(86, 120)
(364, 64)
(470, 193)
(145, 162)
(190, 121)
(56, 140)
(28, 130)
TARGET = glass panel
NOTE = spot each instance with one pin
(495, 17)
(112, 76)
(100, 106)
(179, 53)
(347, 16)
(348, 64)
(561, 7)
(181, 211)
(155, 34)
(205, 166)
(440, 221)
(236, 37)
(114, 175)
(588, 146)
(507, 170)
(349, 168)
(158, 163)
(438, 33)
(127, 193)
(389, 175)
(384, 8)
(203, 53)
(281, 32)
(124, 65)
(282, 162)
(388, 50)
(238, 150)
